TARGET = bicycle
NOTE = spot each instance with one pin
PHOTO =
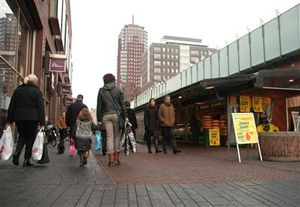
(51, 136)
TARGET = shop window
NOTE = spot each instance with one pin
(15, 52)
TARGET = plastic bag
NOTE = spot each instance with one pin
(37, 148)
(128, 140)
(6, 144)
(72, 148)
(45, 157)
(98, 139)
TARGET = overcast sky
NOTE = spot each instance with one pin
(97, 24)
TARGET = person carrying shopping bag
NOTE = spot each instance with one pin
(83, 135)
(111, 111)
(26, 109)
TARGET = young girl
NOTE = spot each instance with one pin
(83, 135)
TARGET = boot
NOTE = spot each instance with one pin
(27, 163)
(15, 159)
(156, 147)
(117, 158)
(149, 147)
(81, 160)
(111, 158)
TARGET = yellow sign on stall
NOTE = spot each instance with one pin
(245, 103)
(245, 131)
(257, 104)
(214, 137)
(244, 128)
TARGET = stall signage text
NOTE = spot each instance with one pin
(244, 128)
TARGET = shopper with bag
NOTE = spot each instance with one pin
(111, 111)
(83, 135)
(26, 109)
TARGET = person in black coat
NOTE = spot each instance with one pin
(131, 117)
(151, 125)
(26, 109)
(72, 114)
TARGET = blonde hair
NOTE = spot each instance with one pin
(85, 115)
(31, 78)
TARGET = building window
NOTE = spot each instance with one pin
(194, 59)
(194, 52)
(157, 56)
(157, 63)
(157, 49)
(157, 70)
(157, 77)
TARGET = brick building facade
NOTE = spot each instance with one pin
(31, 32)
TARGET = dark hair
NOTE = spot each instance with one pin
(80, 97)
(109, 78)
(166, 96)
(151, 100)
(127, 104)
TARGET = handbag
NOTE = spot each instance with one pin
(98, 143)
(120, 113)
(45, 156)
(6, 144)
(72, 148)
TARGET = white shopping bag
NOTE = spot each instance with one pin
(37, 148)
(6, 144)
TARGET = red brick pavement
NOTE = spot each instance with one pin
(194, 166)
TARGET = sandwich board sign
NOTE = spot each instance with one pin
(245, 131)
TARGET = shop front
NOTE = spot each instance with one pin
(273, 96)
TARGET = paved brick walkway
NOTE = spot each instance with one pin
(63, 183)
(197, 165)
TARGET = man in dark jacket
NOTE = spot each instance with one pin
(132, 117)
(26, 109)
(151, 125)
(72, 113)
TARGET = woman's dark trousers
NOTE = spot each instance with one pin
(149, 134)
(27, 131)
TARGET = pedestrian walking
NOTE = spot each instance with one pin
(100, 127)
(62, 126)
(26, 109)
(111, 111)
(166, 115)
(151, 125)
(131, 117)
(83, 135)
(72, 113)
(63, 132)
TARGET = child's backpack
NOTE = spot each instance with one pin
(83, 129)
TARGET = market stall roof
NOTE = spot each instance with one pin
(217, 88)
(284, 79)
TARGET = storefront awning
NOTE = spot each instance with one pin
(283, 79)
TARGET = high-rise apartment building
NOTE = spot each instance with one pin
(171, 56)
(131, 47)
(8, 45)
